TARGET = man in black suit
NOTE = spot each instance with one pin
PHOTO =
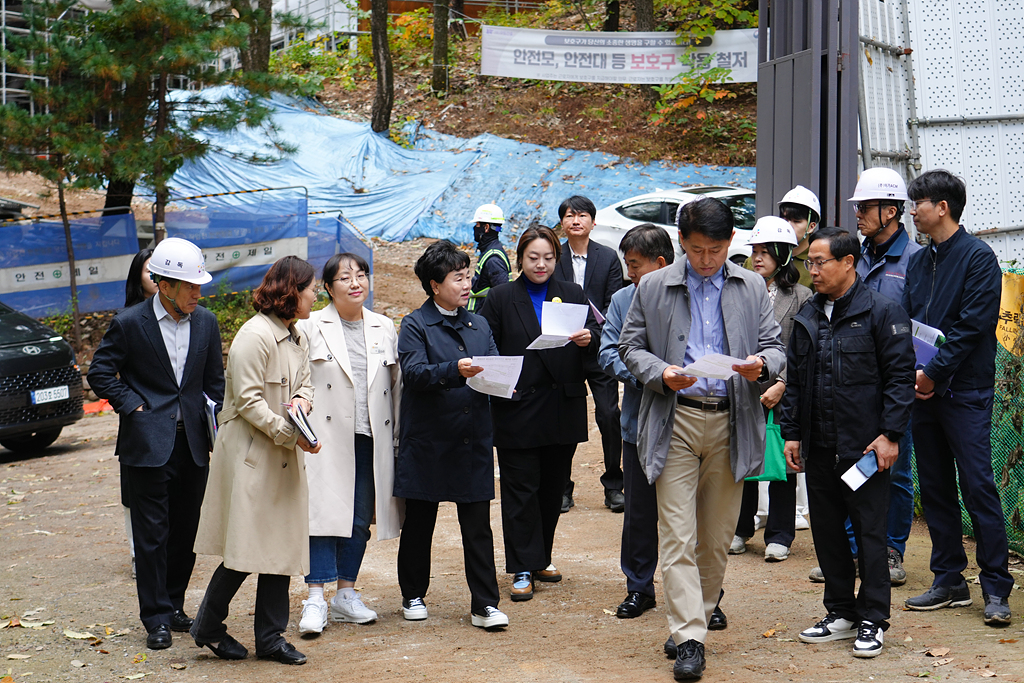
(596, 269)
(154, 364)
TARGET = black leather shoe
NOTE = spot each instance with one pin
(227, 648)
(717, 622)
(180, 621)
(670, 648)
(286, 654)
(567, 501)
(614, 500)
(689, 664)
(634, 605)
(159, 638)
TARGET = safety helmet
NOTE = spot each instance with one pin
(880, 183)
(179, 259)
(804, 197)
(489, 213)
(770, 229)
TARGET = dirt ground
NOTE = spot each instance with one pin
(65, 572)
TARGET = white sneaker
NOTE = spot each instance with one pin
(869, 640)
(760, 521)
(314, 616)
(801, 523)
(414, 609)
(352, 610)
(738, 545)
(490, 617)
(775, 552)
(832, 627)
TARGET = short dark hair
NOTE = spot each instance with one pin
(439, 259)
(798, 212)
(708, 216)
(579, 204)
(536, 231)
(840, 242)
(279, 291)
(940, 185)
(333, 265)
(133, 292)
(649, 241)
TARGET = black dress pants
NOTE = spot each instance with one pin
(271, 609)
(165, 502)
(605, 390)
(831, 502)
(780, 527)
(477, 550)
(532, 483)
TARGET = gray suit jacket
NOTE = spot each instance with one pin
(654, 337)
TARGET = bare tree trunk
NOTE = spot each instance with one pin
(75, 315)
(611, 16)
(439, 80)
(380, 118)
(644, 10)
(255, 57)
(119, 194)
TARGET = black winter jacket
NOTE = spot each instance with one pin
(871, 380)
(956, 287)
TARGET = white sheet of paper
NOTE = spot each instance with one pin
(927, 334)
(557, 321)
(499, 376)
(714, 366)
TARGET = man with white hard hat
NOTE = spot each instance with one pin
(802, 209)
(155, 362)
(493, 267)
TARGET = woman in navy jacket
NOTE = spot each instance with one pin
(537, 430)
(444, 451)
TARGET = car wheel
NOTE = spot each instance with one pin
(31, 442)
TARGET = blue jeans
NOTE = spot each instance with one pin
(335, 558)
(901, 498)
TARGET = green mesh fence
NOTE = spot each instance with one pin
(1007, 428)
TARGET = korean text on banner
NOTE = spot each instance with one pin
(594, 57)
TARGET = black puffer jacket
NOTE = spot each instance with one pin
(823, 417)
(868, 379)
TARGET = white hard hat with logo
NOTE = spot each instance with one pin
(180, 260)
(772, 229)
(880, 183)
(489, 213)
(804, 197)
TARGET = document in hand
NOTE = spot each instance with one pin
(861, 471)
(499, 376)
(557, 321)
(210, 413)
(713, 366)
(927, 341)
(302, 423)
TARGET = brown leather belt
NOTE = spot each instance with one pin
(709, 406)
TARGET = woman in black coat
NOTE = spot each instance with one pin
(537, 430)
(444, 450)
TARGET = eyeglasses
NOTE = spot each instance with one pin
(919, 202)
(817, 265)
(347, 281)
(864, 207)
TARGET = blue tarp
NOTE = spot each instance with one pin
(397, 194)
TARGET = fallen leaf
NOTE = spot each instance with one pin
(140, 658)
(103, 652)
(178, 665)
(943, 662)
(15, 621)
(37, 624)
(608, 611)
(76, 635)
(937, 652)
(769, 633)
(987, 674)
(1007, 640)
(4, 624)
(95, 642)
(135, 677)
(908, 639)
(77, 662)
(6, 679)
(18, 656)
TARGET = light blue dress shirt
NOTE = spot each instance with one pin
(707, 328)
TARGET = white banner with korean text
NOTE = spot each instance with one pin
(594, 57)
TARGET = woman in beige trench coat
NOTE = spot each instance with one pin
(255, 514)
(353, 360)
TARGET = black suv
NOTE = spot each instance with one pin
(40, 383)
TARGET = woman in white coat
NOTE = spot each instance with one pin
(353, 358)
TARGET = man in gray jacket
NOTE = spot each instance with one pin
(698, 437)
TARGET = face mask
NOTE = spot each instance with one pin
(479, 231)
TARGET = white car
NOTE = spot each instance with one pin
(659, 208)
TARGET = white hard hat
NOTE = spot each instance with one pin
(772, 229)
(880, 183)
(804, 197)
(179, 259)
(489, 213)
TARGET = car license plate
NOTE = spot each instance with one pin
(50, 395)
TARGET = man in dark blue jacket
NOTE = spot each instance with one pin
(850, 366)
(493, 267)
(955, 286)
